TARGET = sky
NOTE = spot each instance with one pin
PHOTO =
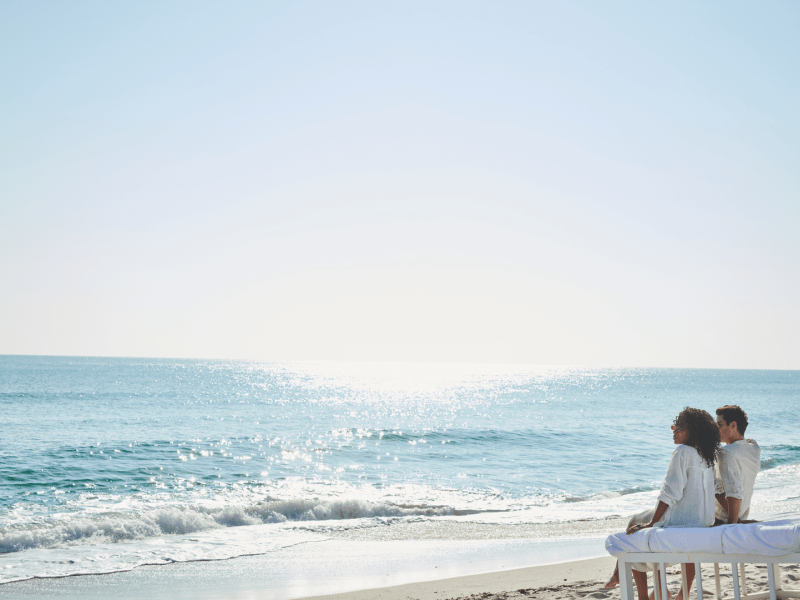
(557, 183)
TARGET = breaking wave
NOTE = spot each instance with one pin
(117, 527)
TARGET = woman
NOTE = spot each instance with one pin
(687, 494)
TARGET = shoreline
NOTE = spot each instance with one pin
(329, 567)
(574, 580)
(360, 564)
(350, 575)
(586, 574)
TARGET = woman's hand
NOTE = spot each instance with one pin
(634, 528)
(661, 509)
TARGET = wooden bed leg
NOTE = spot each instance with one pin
(626, 581)
(656, 584)
(743, 581)
(716, 580)
(663, 580)
(771, 579)
(737, 594)
(777, 569)
(684, 584)
(698, 575)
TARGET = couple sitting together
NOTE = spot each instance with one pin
(705, 484)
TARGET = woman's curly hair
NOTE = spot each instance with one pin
(703, 432)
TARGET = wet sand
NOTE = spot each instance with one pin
(249, 578)
(576, 580)
(430, 560)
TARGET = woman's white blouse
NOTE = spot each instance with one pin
(688, 490)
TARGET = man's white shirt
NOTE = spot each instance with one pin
(736, 470)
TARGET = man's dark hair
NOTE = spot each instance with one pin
(703, 432)
(731, 412)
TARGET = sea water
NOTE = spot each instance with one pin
(111, 463)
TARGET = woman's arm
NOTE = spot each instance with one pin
(677, 476)
(660, 510)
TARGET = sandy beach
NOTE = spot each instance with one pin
(574, 579)
(245, 578)
(411, 568)
(428, 560)
(564, 581)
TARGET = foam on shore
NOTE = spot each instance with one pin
(314, 567)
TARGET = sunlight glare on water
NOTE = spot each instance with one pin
(122, 450)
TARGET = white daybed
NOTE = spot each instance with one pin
(771, 543)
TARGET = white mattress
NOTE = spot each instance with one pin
(770, 538)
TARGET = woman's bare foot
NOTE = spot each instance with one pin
(614, 581)
(653, 595)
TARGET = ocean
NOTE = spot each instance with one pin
(107, 464)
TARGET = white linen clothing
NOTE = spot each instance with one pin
(688, 492)
(736, 469)
(643, 518)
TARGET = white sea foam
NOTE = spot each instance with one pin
(168, 456)
(104, 556)
(777, 492)
(103, 528)
(104, 543)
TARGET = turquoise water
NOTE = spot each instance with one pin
(129, 452)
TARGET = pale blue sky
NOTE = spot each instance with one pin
(532, 182)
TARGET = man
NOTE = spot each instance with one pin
(737, 466)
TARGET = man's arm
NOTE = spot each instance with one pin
(734, 504)
(731, 476)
